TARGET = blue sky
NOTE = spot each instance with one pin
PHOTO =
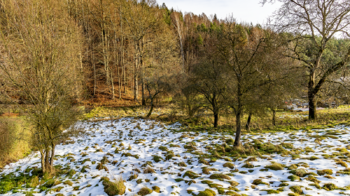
(243, 10)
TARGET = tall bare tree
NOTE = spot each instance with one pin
(313, 23)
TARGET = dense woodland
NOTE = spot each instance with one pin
(57, 54)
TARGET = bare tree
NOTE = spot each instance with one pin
(40, 61)
(313, 23)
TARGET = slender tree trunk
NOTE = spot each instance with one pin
(136, 89)
(142, 73)
(274, 117)
(120, 84)
(93, 64)
(216, 119)
(181, 46)
(152, 106)
(238, 128)
(47, 160)
(311, 96)
(122, 54)
(247, 126)
(238, 118)
(53, 146)
(112, 83)
(42, 154)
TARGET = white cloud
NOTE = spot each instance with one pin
(243, 10)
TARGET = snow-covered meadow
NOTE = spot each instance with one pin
(147, 153)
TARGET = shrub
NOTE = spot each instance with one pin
(191, 174)
(206, 170)
(299, 172)
(259, 181)
(68, 182)
(144, 191)
(220, 176)
(329, 186)
(148, 170)
(113, 188)
(296, 189)
(156, 189)
(325, 171)
(229, 165)
(157, 158)
(207, 192)
(275, 166)
(163, 148)
(294, 178)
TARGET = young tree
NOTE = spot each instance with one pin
(313, 25)
(40, 61)
(246, 51)
(210, 79)
(162, 65)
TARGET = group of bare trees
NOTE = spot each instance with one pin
(239, 67)
(121, 39)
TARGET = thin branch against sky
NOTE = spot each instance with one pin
(250, 11)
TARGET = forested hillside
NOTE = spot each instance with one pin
(126, 97)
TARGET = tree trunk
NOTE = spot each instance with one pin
(312, 107)
(274, 117)
(238, 117)
(216, 119)
(180, 39)
(112, 83)
(238, 128)
(52, 154)
(311, 96)
(42, 154)
(94, 66)
(142, 74)
(247, 126)
(47, 161)
(136, 89)
(151, 98)
(150, 111)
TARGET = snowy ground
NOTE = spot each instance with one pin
(115, 139)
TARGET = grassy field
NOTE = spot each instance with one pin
(202, 122)
(285, 120)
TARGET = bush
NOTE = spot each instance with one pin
(220, 176)
(275, 166)
(145, 191)
(148, 170)
(325, 171)
(191, 174)
(296, 189)
(156, 189)
(113, 188)
(207, 192)
(229, 165)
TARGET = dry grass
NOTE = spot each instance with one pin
(14, 140)
(148, 170)
(275, 166)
